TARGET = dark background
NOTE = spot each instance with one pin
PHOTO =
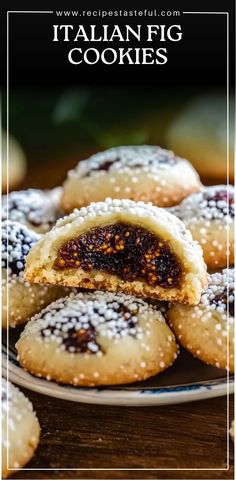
(199, 59)
(60, 112)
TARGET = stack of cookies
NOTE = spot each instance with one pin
(140, 262)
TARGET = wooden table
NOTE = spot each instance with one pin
(190, 435)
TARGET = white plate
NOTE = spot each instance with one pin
(187, 380)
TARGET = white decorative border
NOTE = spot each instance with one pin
(227, 140)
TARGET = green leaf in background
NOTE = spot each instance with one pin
(62, 122)
(115, 139)
(71, 105)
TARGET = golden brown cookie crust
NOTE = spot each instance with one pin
(123, 340)
(204, 330)
(25, 299)
(209, 215)
(19, 297)
(146, 173)
(24, 433)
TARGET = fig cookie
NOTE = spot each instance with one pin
(209, 215)
(97, 338)
(24, 299)
(206, 329)
(23, 428)
(231, 431)
(121, 245)
(37, 209)
(146, 173)
(202, 133)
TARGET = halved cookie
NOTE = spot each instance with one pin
(97, 339)
(121, 245)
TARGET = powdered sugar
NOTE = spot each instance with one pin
(17, 240)
(139, 209)
(75, 321)
(146, 158)
(33, 207)
(212, 203)
(16, 404)
(220, 291)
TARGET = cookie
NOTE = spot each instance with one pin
(209, 215)
(24, 299)
(232, 430)
(97, 339)
(144, 173)
(23, 428)
(121, 245)
(205, 329)
(199, 133)
(13, 170)
(37, 209)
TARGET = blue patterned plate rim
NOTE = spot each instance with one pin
(119, 396)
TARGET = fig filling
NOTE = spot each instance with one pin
(78, 341)
(160, 159)
(79, 336)
(223, 298)
(104, 166)
(130, 252)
